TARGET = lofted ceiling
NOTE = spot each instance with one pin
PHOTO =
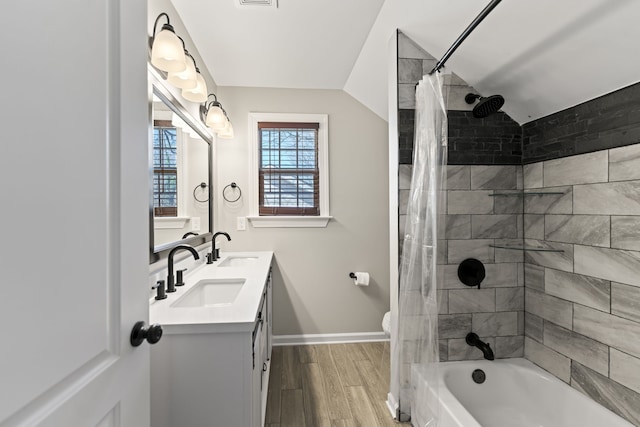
(542, 55)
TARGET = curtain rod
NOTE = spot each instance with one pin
(465, 34)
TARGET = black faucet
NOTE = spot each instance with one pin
(171, 282)
(214, 255)
(190, 233)
(475, 341)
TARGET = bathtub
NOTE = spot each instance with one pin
(516, 393)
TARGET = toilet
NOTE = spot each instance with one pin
(386, 324)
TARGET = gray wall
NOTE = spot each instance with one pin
(582, 320)
(312, 291)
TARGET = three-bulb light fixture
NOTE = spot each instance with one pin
(169, 54)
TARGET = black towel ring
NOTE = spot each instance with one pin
(202, 185)
(233, 186)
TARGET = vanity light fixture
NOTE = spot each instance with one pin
(186, 79)
(167, 51)
(216, 118)
(199, 93)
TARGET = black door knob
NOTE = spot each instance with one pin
(139, 333)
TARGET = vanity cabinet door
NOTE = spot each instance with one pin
(256, 377)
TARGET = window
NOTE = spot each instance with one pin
(165, 170)
(289, 170)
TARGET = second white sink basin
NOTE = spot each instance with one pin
(238, 261)
(211, 293)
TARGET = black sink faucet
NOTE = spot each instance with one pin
(214, 255)
(475, 341)
(171, 281)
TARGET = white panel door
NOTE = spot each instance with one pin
(74, 217)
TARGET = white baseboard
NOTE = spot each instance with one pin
(308, 339)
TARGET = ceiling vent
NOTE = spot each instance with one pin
(257, 4)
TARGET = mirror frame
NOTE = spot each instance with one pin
(157, 253)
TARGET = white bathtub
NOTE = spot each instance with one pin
(516, 393)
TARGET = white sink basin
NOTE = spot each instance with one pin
(238, 261)
(211, 293)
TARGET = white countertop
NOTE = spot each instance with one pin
(236, 317)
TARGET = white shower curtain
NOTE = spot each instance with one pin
(417, 334)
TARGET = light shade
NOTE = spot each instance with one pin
(186, 79)
(197, 94)
(215, 117)
(227, 132)
(167, 52)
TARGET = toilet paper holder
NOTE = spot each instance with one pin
(352, 275)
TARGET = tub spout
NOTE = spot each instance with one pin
(475, 341)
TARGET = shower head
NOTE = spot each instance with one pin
(485, 106)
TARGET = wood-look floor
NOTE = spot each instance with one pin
(332, 385)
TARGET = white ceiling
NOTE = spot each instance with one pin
(541, 55)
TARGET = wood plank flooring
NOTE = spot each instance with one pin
(329, 385)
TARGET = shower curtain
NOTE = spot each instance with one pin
(417, 325)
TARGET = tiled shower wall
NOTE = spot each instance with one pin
(583, 304)
(475, 219)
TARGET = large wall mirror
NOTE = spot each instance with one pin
(181, 208)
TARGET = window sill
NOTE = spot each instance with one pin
(289, 221)
(165, 222)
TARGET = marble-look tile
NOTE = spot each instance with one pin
(612, 330)
(459, 250)
(460, 350)
(509, 299)
(521, 321)
(534, 226)
(613, 198)
(625, 301)
(550, 203)
(592, 230)
(494, 227)
(403, 201)
(497, 275)
(625, 232)
(469, 202)
(443, 350)
(532, 175)
(449, 278)
(409, 70)
(443, 302)
(590, 353)
(520, 274)
(585, 290)
(520, 226)
(558, 260)
(624, 163)
(611, 264)
(580, 169)
(508, 204)
(407, 48)
(493, 177)
(453, 79)
(519, 178)
(534, 277)
(402, 227)
(625, 369)
(495, 324)
(443, 252)
(427, 66)
(404, 177)
(454, 325)
(509, 347)
(547, 359)
(509, 255)
(455, 97)
(458, 227)
(407, 96)
(472, 301)
(533, 326)
(458, 177)
(619, 399)
(549, 308)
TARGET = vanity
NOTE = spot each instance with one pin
(211, 367)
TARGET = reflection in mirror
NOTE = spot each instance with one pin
(180, 168)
